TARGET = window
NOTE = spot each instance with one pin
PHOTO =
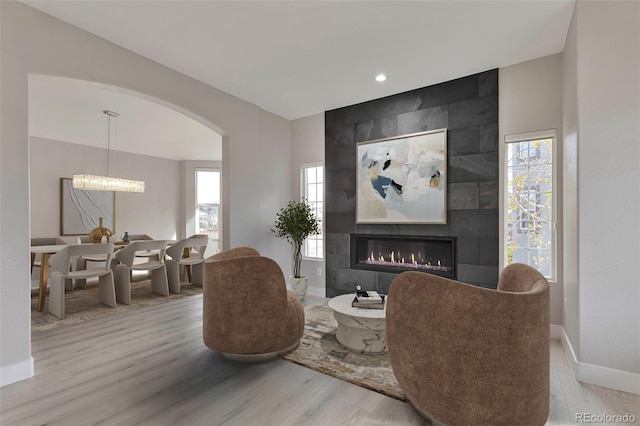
(530, 201)
(313, 192)
(208, 205)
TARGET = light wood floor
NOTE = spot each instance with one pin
(150, 367)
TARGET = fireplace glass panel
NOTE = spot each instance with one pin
(434, 255)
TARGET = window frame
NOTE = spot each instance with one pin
(303, 193)
(195, 199)
(527, 137)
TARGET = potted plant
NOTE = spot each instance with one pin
(295, 223)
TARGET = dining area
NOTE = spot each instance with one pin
(107, 270)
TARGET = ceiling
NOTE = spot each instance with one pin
(298, 58)
(71, 111)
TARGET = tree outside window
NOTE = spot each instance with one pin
(530, 212)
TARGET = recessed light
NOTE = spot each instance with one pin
(380, 78)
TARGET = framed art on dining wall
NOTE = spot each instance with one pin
(402, 179)
(80, 210)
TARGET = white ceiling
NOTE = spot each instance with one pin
(71, 111)
(298, 58)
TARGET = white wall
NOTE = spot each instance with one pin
(570, 183)
(275, 158)
(155, 212)
(35, 43)
(530, 100)
(308, 147)
(608, 105)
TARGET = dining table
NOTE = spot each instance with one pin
(47, 251)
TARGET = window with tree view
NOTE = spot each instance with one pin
(313, 192)
(530, 197)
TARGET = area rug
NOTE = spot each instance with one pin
(84, 304)
(320, 351)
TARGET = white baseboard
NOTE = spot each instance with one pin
(16, 372)
(317, 291)
(601, 376)
(556, 331)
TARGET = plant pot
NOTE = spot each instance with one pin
(298, 286)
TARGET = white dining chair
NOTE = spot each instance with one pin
(190, 254)
(81, 262)
(43, 241)
(63, 272)
(125, 259)
(150, 254)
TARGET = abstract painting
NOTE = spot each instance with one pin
(402, 179)
(80, 210)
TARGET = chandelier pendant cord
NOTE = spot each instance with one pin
(110, 114)
(106, 183)
(108, 140)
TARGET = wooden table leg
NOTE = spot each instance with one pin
(44, 275)
(187, 253)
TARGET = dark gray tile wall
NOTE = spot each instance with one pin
(468, 108)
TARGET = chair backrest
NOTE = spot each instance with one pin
(235, 252)
(47, 241)
(243, 296)
(521, 278)
(128, 254)
(63, 260)
(139, 237)
(83, 239)
(445, 334)
(198, 242)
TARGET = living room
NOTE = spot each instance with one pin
(587, 90)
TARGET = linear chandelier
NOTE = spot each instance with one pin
(107, 183)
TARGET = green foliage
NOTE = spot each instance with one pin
(295, 223)
(529, 201)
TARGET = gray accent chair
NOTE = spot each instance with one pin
(62, 275)
(190, 254)
(125, 265)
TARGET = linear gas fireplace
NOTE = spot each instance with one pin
(396, 253)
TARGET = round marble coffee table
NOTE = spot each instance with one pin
(363, 330)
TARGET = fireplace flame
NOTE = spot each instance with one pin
(395, 259)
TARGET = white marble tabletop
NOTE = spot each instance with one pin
(47, 249)
(342, 304)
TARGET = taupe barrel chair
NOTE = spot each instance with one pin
(62, 274)
(466, 355)
(125, 259)
(248, 313)
(190, 254)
